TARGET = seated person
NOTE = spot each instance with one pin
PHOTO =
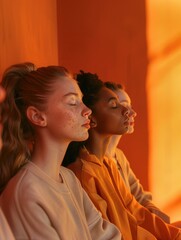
(130, 179)
(99, 175)
(40, 198)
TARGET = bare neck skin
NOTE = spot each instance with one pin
(97, 144)
(110, 152)
(48, 155)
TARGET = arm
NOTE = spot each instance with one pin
(136, 189)
(5, 231)
(88, 183)
(100, 229)
(29, 221)
(144, 217)
(153, 223)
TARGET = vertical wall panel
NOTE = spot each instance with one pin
(164, 101)
(28, 32)
(109, 38)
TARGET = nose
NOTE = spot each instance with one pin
(125, 110)
(86, 111)
(132, 113)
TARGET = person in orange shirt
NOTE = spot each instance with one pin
(99, 175)
(117, 155)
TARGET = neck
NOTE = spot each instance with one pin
(111, 149)
(48, 156)
(97, 144)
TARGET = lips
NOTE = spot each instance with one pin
(131, 123)
(86, 124)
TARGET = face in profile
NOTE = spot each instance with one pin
(108, 114)
(2, 96)
(126, 101)
(66, 115)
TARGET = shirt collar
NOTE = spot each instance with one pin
(85, 155)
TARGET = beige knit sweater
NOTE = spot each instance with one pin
(39, 208)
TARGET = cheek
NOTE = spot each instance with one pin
(69, 120)
(115, 122)
(109, 123)
(114, 118)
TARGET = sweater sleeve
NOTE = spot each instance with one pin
(29, 221)
(142, 196)
(5, 231)
(99, 228)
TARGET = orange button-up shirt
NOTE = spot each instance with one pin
(105, 187)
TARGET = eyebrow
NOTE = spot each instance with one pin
(125, 101)
(72, 93)
(112, 98)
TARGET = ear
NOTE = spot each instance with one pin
(93, 122)
(36, 117)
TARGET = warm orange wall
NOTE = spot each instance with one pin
(28, 32)
(164, 101)
(108, 37)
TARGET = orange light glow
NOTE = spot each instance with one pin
(164, 102)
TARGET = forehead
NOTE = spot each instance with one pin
(67, 85)
(106, 94)
(122, 96)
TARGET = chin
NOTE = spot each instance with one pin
(130, 130)
(123, 131)
(82, 138)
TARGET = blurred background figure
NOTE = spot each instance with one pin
(115, 153)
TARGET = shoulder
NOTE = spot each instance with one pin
(119, 152)
(120, 156)
(20, 193)
(87, 172)
(83, 167)
(69, 175)
(73, 183)
(4, 228)
(21, 185)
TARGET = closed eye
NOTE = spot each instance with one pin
(113, 103)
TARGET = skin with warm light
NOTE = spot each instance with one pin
(124, 100)
(109, 117)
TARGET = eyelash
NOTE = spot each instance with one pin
(115, 106)
(73, 104)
